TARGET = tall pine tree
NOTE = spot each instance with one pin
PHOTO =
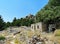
(2, 24)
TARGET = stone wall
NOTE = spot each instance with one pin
(38, 26)
(33, 27)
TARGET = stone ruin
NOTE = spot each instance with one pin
(42, 27)
(38, 26)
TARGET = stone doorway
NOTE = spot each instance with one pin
(52, 27)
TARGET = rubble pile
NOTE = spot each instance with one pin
(40, 40)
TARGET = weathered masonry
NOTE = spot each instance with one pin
(38, 26)
(42, 27)
(51, 27)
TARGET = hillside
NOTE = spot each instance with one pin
(50, 13)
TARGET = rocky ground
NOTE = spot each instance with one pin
(29, 37)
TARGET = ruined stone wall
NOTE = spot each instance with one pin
(33, 27)
(39, 26)
(44, 27)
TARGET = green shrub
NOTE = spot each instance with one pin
(2, 38)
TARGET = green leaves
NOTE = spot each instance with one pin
(27, 21)
(50, 13)
(2, 24)
(54, 2)
(2, 38)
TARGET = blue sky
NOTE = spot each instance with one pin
(20, 8)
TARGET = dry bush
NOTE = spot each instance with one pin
(57, 32)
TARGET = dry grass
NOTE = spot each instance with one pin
(57, 35)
